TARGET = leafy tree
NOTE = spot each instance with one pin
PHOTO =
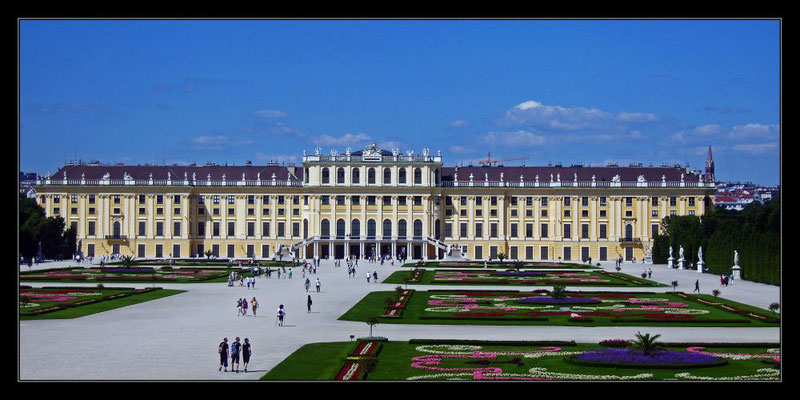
(209, 253)
(716, 292)
(559, 292)
(646, 343)
(127, 261)
(501, 255)
(674, 285)
(774, 307)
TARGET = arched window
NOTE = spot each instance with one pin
(401, 175)
(325, 228)
(371, 228)
(387, 227)
(340, 175)
(387, 176)
(436, 177)
(401, 228)
(629, 231)
(305, 229)
(371, 176)
(355, 228)
(417, 176)
(340, 227)
(326, 176)
(116, 229)
(418, 228)
(356, 178)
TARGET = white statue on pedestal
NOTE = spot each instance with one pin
(735, 258)
(700, 254)
(670, 252)
(649, 251)
(680, 252)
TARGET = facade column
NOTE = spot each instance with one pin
(537, 231)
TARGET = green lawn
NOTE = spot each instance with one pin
(545, 278)
(610, 311)
(94, 275)
(321, 361)
(105, 305)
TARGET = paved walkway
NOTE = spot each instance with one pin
(176, 338)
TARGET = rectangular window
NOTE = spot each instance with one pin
(387, 201)
(528, 230)
(231, 199)
(159, 199)
(529, 252)
(514, 255)
(142, 228)
(544, 212)
(281, 200)
(231, 253)
(492, 252)
(356, 201)
(140, 251)
(478, 252)
(603, 234)
(215, 250)
(529, 201)
(265, 251)
(251, 211)
(295, 229)
(73, 210)
(567, 213)
(281, 211)
(463, 212)
(584, 201)
(448, 230)
(201, 250)
(567, 231)
(492, 213)
(479, 201)
(265, 211)
(463, 229)
(159, 251)
(654, 213)
(603, 254)
(544, 201)
(231, 229)
(493, 230)
(585, 254)
(159, 211)
(673, 213)
(91, 228)
(514, 213)
(91, 199)
(478, 212)
(91, 210)
(251, 229)
(90, 250)
(176, 199)
(691, 201)
(602, 201)
(628, 213)
(215, 231)
(448, 212)
(654, 230)
(567, 253)
(370, 200)
(265, 229)
(544, 231)
(57, 211)
(340, 200)
(201, 199)
(251, 199)
(602, 213)
(584, 231)
(176, 211)
(176, 251)
(566, 201)
(584, 213)
(628, 201)
(478, 229)
(116, 199)
(265, 199)
(402, 200)
(528, 213)
(201, 229)
(281, 229)
(493, 201)
(251, 251)
(296, 200)
(513, 201)
(417, 200)
(141, 210)
(230, 211)
(673, 201)
(57, 199)
(514, 230)
(654, 201)
(691, 212)
(463, 200)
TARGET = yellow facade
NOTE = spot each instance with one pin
(408, 195)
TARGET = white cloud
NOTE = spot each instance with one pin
(756, 148)
(515, 138)
(754, 131)
(344, 140)
(218, 142)
(707, 130)
(270, 114)
(534, 113)
(459, 123)
(460, 149)
(390, 144)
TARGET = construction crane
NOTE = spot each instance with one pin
(489, 162)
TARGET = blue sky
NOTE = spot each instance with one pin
(555, 91)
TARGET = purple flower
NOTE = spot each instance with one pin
(630, 356)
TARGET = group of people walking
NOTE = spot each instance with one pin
(242, 306)
(236, 349)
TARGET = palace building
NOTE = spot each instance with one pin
(372, 202)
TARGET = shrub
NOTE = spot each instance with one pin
(100, 286)
(774, 307)
(559, 292)
(716, 292)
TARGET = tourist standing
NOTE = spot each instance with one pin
(375, 276)
(223, 354)
(281, 314)
(244, 306)
(246, 351)
(309, 303)
(308, 284)
(368, 276)
(697, 286)
(649, 273)
(254, 304)
(239, 307)
(318, 285)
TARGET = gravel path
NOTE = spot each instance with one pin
(176, 338)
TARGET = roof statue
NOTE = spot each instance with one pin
(593, 178)
(65, 174)
(576, 177)
(107, 176)
(209, 176)
(551, 178)
(347, 151)
(520, 178)
(372, 150)
(470, 177)
(641, 179)
(410, 153)
(127, 176)
(151, 176)
(501, 176)
(273, 176)
(537, 178)
(258, 175)
(663, 178)
(486, 176)
(438, 153)
(425, 152)
(318, 151)
(223, 177)
(395, 152)
(615, 178)
(169, 175)
(83, 176)
(243, 176)
(681, 177)
(304, 153)
(455, 176)
(185, 176)
(558, 176)
(194, 176)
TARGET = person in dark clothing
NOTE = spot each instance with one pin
(236, 347)
(223, 354)
(309, 303)
(246, 353)
(697, 286)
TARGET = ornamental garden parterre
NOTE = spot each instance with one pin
(464, 360)
(132, 274)
(72, 302)
(518, 277)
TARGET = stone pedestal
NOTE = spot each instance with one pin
(701, 265)
(648, 260)
(737, 272)
(671, 262)
(682, 264)
(455, 255)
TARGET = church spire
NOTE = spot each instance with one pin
(709, 176)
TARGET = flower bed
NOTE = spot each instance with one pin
(119, 274)
(49, 299)
(629, 358)
(618, 343)
(395, 309)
